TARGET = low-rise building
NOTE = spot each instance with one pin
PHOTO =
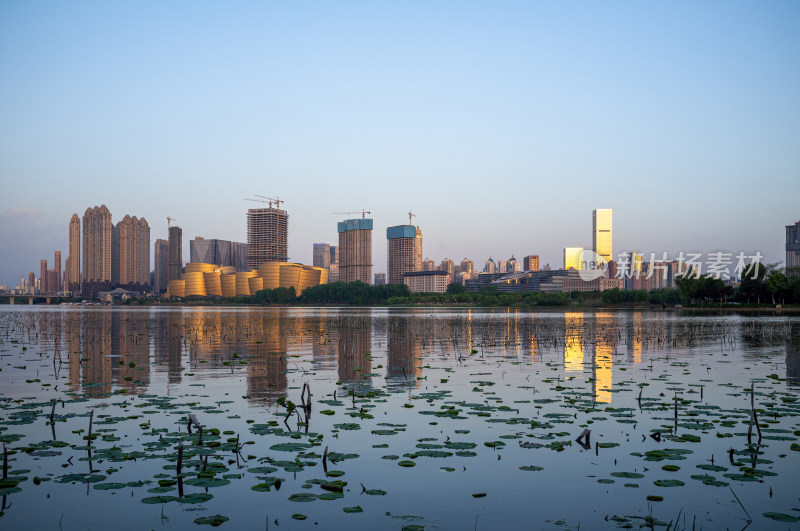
(426, 281)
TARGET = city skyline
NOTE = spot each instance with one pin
(664, 114)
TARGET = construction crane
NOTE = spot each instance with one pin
(362, 212)
(409, 217)
(170, 220)
(269, 200)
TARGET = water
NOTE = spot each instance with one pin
(484, 406)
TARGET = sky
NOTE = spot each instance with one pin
(501, 125)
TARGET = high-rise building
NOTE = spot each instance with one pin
(161, 266)
(530, 263)
(218, 252)
(428, 265)
(572, 257)
(74, 276)
(793, 248)
(403, 252)
(267, 236)
(512, 266)
(239, 255)
(131, 254)
(502, 266)
(467, 267)
(65, 280)
(57, 268)
(31, 282)
(52, 281)
(355, 250)
(380, 279)
(448, 266)
(175, 250)
(43, 276)
(490, 266)
(602, 242)
(97, 234)
(333, 270)
(322, 255)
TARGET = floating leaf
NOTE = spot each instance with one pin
(668, 483)
(214, 521)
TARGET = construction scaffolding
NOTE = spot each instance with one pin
(267, 236)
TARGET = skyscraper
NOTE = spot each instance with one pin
(97, 232)
(572, 257)
(131, 254)
(467, 267)
(333, 270)
(793, 248)
(74, 276)
(161, 254)
(602, 242)
(219, 252)
(57, 268)
(175, 250)
(239, 256)
(403, 252)
(355, 250)
(530, 263)
(489, 266)
(43, 276)
(322, 255)
(267, 236)
(448, 266)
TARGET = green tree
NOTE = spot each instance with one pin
(454, 288)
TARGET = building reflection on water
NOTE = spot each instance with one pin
(573, 342)
(793, 361)
(109, 350)
(354, 351)
(603, 346)
(404, 339)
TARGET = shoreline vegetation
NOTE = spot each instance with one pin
(769, 289)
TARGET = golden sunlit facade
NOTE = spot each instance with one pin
(602, 237)
(572, 257)
(202, 280)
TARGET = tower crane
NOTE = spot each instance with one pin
(169, 220)
(410, 216)
(362, 212)
(269, 200)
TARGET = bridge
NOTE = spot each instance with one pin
(12, 299)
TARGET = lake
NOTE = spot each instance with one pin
(384, 418)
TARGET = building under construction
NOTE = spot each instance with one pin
(355, 250)
(403, 252)
(267, 236)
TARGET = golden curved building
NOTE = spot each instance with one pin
(200, 267)
(213, 283)
(290, 275)
(195, 284)
(201, 279)
(243, 282)
(176, 288)
(256, 284)
(270, 272)
(228, 283)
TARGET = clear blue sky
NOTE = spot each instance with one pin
(501, 124)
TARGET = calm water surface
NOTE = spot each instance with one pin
(436, 418)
